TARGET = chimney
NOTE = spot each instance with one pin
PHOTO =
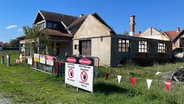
(132, 25)
(81, 15)
(177, 29)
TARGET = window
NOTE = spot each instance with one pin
(162, 48)
(143, 47)
(42, 25)
(49, 25)
(123, 45)
(54, 25)
(85, 47)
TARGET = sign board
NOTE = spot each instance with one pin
(70, 71)
(85, 77)
(29, 60)
(79, 72)
(50, 60)
(42, 59)
(37, 57)
(70, 74)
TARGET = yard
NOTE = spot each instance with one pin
(21, 84)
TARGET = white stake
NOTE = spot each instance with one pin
(119, 78)
(149, 81)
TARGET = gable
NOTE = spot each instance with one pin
(152, 33)
(91, 27)
(54, 17)
(177, 36)
(39, 17)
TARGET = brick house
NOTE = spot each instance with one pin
(90, 36)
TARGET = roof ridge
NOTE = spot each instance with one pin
(57, 13)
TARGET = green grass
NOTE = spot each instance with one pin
(22, 85)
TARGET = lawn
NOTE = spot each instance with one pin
(23, 85)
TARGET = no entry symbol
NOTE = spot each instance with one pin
(84, 76)
(70, 73)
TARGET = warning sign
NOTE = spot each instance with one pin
(37, 57)
(70, 74)
(29, 60)
(42, 59)
(50, 60)
(79, 72)
(86, 77)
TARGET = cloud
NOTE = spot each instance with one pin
(11, 27)
(19, 30)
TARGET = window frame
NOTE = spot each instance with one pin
(123, 45)
(143, 46)
(162, 48)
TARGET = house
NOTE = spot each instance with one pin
(90, 36)
(175, 36)
(55, 24)
(1, 46)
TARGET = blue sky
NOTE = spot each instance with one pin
(163, 15)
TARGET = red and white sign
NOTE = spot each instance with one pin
(84, 61)
(70, 74)
(50, 60)
(79, 73)
(85, 77)
(71, 59)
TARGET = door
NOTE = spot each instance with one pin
(85, 47)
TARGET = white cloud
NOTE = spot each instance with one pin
(19, 30)
(11, 27)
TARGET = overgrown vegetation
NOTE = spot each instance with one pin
(21, 84)
(37, 39)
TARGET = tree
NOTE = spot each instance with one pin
(34, 36)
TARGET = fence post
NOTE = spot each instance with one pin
(2, 59)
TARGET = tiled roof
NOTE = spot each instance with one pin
(137, 35)
(172, 34)
(78, 21)
(56, 17)
(53, 32)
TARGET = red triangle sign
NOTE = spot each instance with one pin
(167, 85)
(133, 80)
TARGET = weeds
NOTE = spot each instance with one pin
(21, 84)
